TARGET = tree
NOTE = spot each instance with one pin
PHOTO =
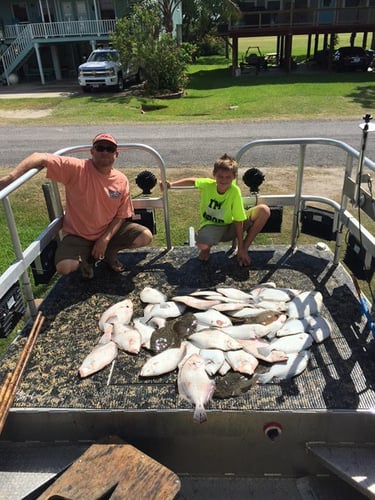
(202, 17)
(139, 38)
(167, 9)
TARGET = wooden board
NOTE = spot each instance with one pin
(116, 472)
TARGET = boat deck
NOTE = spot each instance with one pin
(331, 401)
(333, 380)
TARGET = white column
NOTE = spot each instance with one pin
(40, 66)
(41, 11)
(56, 62)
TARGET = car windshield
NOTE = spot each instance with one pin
(103, 56)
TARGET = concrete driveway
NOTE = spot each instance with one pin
(36, 89)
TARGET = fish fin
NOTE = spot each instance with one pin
(277, 356)
(200, 415)
(254, 380)
(107, 335)
(112, 318)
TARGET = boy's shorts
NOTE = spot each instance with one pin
(211, 234)
(77, 248)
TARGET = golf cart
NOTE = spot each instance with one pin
(253, 58)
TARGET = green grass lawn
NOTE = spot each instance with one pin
(299, 48)
(213, 93)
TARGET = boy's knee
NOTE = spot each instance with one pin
(267, 210)
(263, 211)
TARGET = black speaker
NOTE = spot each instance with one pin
(318, 222)
(273, 225)
(146, 217)
(11, 310)
(354, 258)
(43, 267)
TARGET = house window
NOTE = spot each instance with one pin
(20, 12)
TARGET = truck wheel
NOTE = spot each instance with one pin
(120, 83)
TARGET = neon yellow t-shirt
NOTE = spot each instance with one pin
(219, 209)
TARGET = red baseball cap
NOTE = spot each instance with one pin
(104, 137)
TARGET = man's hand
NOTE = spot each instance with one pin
(99, 249)
(35, 160)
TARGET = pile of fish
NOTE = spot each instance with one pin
(210, 335)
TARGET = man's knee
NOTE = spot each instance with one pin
(143, 239)
(67, 266)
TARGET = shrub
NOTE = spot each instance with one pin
(163, 62)
(165, 68)
(211, 45)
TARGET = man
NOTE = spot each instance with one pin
(96, 223)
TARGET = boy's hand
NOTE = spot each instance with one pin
(167, 183)
(243, 258)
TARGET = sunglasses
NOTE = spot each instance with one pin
(109, 149)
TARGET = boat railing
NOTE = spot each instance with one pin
(353, 192)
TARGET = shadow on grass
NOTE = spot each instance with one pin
(143, 103)
(221, 78)
(364, 96)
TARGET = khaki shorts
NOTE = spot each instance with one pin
(211, 234)
(77, 248)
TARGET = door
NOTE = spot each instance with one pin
(67, 11)
(20, 12)
(81, 10)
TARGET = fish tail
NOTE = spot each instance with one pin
(200, 415)
(264, 378)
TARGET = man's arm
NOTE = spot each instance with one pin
(35, 160)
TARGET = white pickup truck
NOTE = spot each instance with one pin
(103, 68)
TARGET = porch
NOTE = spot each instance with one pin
(283, 24)
(28, 39)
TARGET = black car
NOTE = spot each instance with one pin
(351, 58)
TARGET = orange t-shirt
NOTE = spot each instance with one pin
(93, 200)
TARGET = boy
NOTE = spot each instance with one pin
(223, 216)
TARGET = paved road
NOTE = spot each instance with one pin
(198, 144)
(183, 144)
